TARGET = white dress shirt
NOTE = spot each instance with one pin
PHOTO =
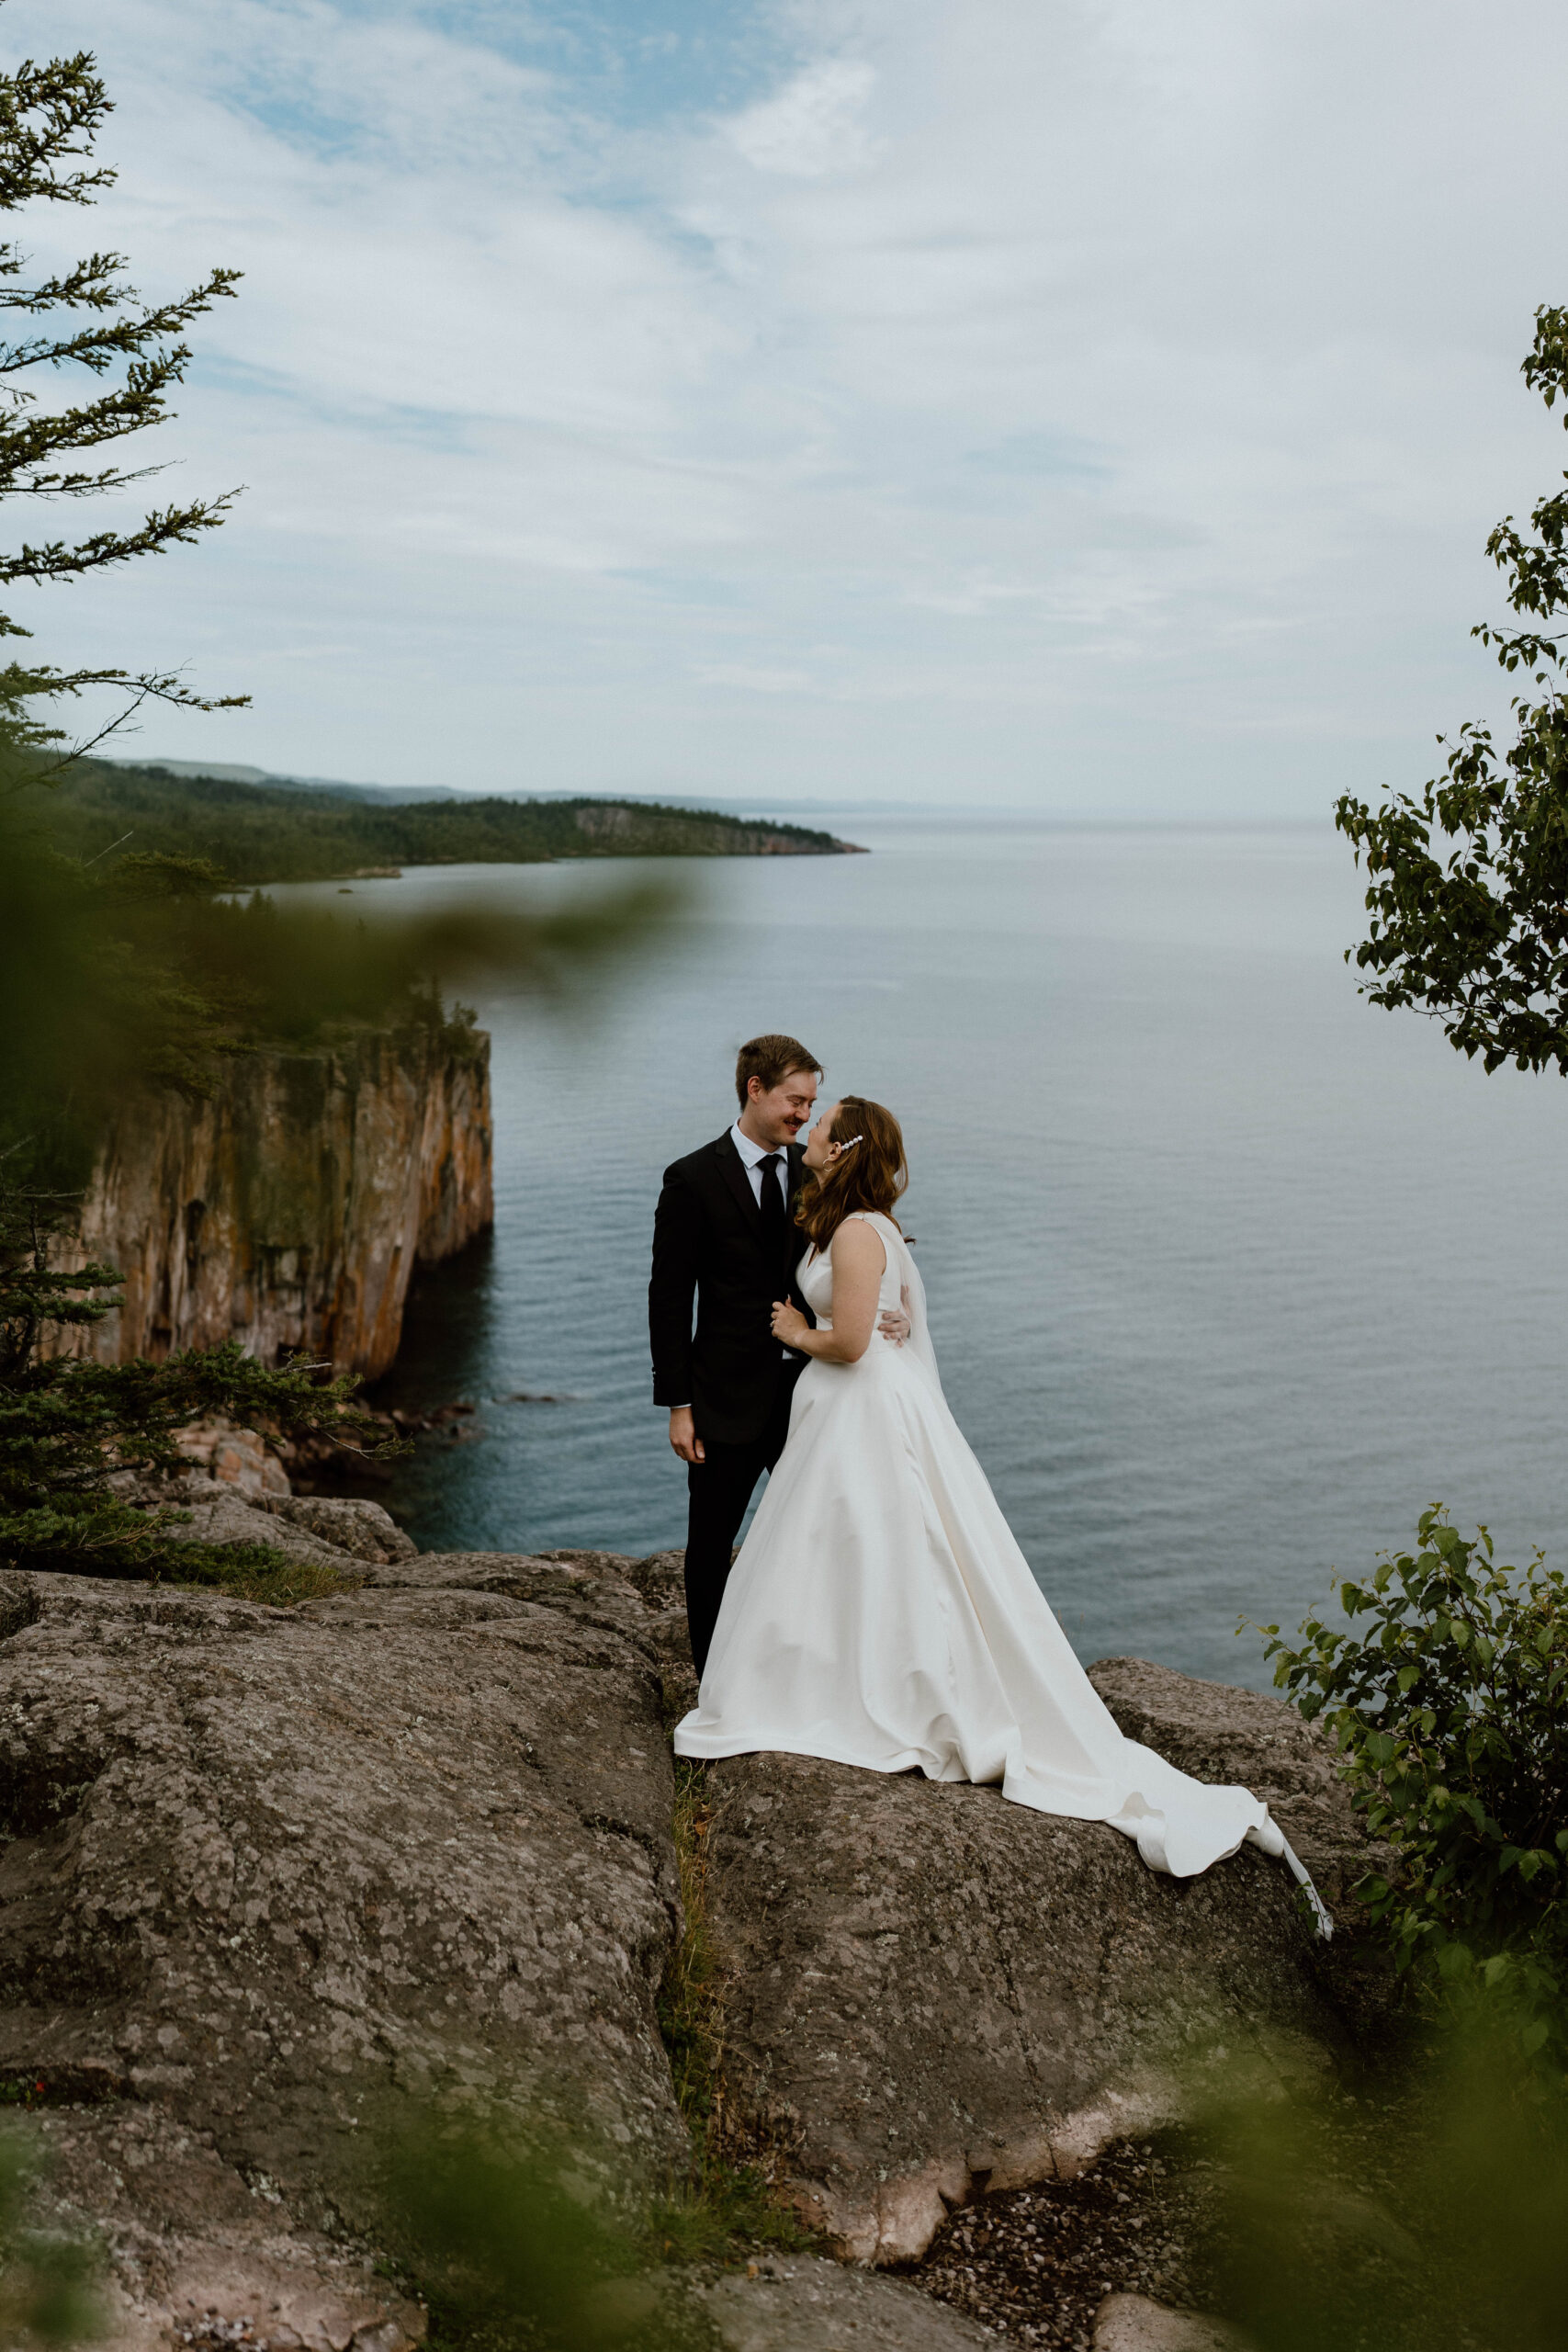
(751, 1158)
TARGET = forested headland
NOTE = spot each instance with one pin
(259, 833)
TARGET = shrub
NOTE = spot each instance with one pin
(1446, 1694)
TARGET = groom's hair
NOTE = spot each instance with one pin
(772, 1059)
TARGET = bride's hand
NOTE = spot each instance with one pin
(789, 1324)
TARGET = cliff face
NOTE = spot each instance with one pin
(620, 829)
(288, 1212)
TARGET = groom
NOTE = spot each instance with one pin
(724, 1236)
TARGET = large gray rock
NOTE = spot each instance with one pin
(587, 1584)
(931, 1992)
(217, 1515)
(362, 1529)
(200, 2252)
(800, 2303)
(1218, 1733)
(1137, 2324)
(263, 1868)
(245, 1508)
(260, 1868)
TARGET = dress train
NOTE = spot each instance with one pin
(880, 1615)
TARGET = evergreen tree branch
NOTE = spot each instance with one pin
(88, 284)
(27, 440)
(173, 526)
(49, 115)
(97, 347)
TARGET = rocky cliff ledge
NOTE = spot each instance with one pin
(263, 1869)
(288, 1211)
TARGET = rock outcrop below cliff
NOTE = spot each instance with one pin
(288, 1211)
(260, 1871)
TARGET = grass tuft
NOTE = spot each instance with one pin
(724, 2209)
(255, 1572)
(691, 1999)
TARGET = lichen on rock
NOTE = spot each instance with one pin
(263, 1870)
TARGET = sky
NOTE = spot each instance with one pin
(1095, 407)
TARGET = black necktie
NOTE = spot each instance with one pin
(776, 1221)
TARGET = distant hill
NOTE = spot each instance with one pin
(219, 772)
(282, 832)
(753, 811)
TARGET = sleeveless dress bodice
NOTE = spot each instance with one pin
(814, 1276)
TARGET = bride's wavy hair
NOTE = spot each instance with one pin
(869, 1173)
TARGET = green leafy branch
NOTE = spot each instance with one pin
(1467, 880)
(1445, 1691)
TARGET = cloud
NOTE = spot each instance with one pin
(814, 128)
(1090, 398)
(752, 681)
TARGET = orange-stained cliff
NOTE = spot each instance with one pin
(288, 1211)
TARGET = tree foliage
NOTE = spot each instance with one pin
(271, 832)
(1469, 881)
(88, 317)
(1448, 1694)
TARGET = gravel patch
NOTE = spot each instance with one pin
(1035, 2264)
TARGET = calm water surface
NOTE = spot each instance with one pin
(1230, 1275)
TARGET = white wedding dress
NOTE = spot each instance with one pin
(880, 1615)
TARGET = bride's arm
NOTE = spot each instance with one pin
(859, 1258)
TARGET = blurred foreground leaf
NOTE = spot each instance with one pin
(514, 2253)
(1426, 2212)
(46, 2277)
(143, 976)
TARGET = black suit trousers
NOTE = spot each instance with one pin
(720, 1488)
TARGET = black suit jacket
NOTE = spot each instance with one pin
(707, 1246)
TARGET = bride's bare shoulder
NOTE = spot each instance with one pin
(859, 1236)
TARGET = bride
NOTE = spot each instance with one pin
(880, 1613)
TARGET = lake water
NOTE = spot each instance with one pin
(1230, 1275)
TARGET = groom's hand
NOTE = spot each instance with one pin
(684, 1435)
(893, 1324)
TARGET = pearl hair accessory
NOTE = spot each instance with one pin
(852, 1143)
